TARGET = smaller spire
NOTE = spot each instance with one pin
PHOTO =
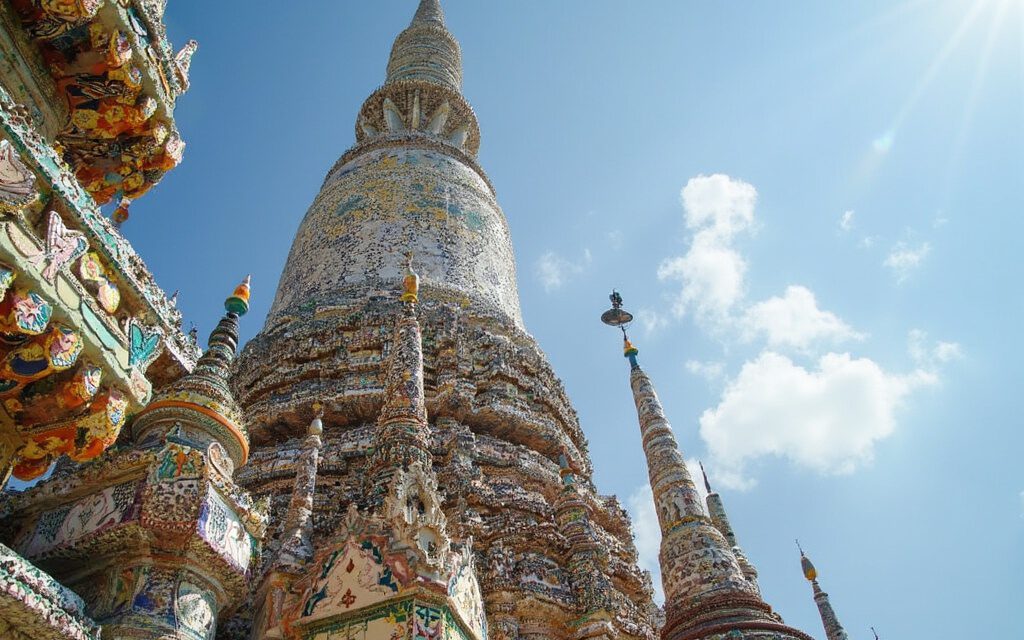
(297, 541)
(206, 386)
(720, 519)
(402, 434)
(707, 485)
(833, 629)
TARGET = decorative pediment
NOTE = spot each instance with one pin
(354, 574)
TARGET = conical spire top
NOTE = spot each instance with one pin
(429, 11)
(426, 51)
(806, 565)
(707, 485)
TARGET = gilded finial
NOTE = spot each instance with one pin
(411, 282)
(628, 349)
(805, 563)
(238, 302)
(316, 426)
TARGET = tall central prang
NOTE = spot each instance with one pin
(554, 558)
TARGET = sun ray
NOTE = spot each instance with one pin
(933, 69)
(971, 103)
(884, 142)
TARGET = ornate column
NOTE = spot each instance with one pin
(588, 559)
(707, 594)
(296, 549)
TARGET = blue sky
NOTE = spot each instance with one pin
(813, 208)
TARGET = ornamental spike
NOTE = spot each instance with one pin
(238, 302)
(410, 282)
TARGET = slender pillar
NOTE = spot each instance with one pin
(296, 549)
(719, 518)
(833, 629)
(402, 437)
(707, 594)
(588, 559)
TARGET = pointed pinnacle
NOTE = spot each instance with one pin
(429, 11)
(707, 485)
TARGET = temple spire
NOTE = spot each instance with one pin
(223, 342)
(429, 11)
(297, 540)
(204, 394)
(706, 590)
(401, 438)
(833, 629)
(719, 518)
(426, 51)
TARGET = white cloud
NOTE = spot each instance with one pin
(904, 259)
(554, 271)
(719, 203)
(846, 220)
(931, 356)
(615, 239)
(710, 371)
(826, 419)
(794, 320)
(647, 535)
(826, 416)
(712, 272)
(712, 275)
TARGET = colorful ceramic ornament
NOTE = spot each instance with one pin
(108, 295)
(91, 269)
(41, 356)
(63, 245)
(94, 274)
(24, 312)
(144, 343)
(17, 182)
(55, 395)
(238, 302)
(7, 275)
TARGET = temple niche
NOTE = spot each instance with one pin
(392, 457)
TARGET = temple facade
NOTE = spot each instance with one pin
(391, 457)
